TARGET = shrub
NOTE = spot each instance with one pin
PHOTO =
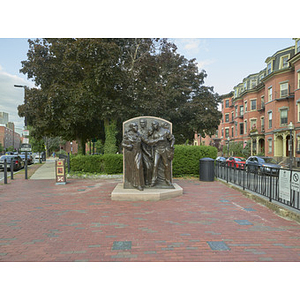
(186, 158)
(107, 163)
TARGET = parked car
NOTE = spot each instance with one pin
(221, 160)
(37, 158)
(262, 165)
(236, 162)
(18, 163)
(29, 158)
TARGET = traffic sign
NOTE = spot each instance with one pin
(26, 147)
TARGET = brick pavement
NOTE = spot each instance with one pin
(41, 221)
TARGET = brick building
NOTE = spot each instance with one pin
(8, 136)
(264, 109)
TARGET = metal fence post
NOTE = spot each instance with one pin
(5, 171)
(11, 169)
(270, 199)
(68, 162)
(25, 164)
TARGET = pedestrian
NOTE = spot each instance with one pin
(53, 154)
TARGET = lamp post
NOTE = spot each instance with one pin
(24, 87)
(228, 140)
(25, 123)
(291, 127)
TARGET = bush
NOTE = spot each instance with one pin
(107, 163)
(185, 162)
(186, 158)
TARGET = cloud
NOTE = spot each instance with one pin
(207, 62)
(11, 97)
(193, 46)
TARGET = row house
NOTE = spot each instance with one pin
(264, 109)
(9, 137)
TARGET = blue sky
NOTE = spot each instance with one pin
(226, 61)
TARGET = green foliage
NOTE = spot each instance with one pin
(99, 147)
(107, 163)
(1, 148)
(110, 146)
(186, 158)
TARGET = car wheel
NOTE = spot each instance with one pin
(247, 169)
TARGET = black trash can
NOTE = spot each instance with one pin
(207, 169)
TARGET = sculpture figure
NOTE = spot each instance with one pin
(133, 157)
(146, 152)
(163, 143)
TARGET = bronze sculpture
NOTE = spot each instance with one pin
(148, 153)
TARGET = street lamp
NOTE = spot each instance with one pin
(291, 127)
(24, 87)
(228, 140)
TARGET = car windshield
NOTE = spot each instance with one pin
(270, 160)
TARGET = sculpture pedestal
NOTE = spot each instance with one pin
(121, 194)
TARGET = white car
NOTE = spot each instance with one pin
(37, 158)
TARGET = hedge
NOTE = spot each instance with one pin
(186, 158)
(107, 163)
(185, 162)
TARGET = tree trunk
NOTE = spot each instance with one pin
(110, 127)
(81, 145)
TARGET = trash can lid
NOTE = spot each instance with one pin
(207, 159)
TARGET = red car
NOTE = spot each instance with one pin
(236, 162)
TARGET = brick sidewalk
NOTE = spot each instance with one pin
(41, 221)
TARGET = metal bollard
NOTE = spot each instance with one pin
(25, 165)
(11, 169)
(5, 171)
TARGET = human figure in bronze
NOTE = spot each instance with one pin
(163, 144)
(146, 151)
(133, 157)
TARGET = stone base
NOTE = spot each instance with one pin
(120, 194)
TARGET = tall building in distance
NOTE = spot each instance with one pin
(8, 135)
(3, 118)
(264, 109)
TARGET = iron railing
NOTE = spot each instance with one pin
(265, 183)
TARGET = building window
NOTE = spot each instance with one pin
(270, 91)
(269, 68)
(227, 103)
(236, 110)
(241, 128)
(262, 121)
(298, 46)
(262, 102)
(284, 61)
(283, 116)
(253, 104)
(299, 80)
(298, 112)
(253, 124)
(284, 89)
(246, 106)
(241, 110)
(226, 118)
(245, 132)
(232, 116)
(232, 132)
(269, 145)
(253, 83)
(226, 133)
(222, 132)
(270, 119)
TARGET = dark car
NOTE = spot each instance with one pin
(236, 162)
(221, 160)
(18, 163)
(262, 165)
(29, 158)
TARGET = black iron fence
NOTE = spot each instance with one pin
(277, 185)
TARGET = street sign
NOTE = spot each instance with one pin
(25, 132)
(26, 148)
(295, 183)
(60, 171)
(284, 185)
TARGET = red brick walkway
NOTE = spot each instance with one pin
(41, 221)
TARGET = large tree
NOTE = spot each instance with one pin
(86, 83)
